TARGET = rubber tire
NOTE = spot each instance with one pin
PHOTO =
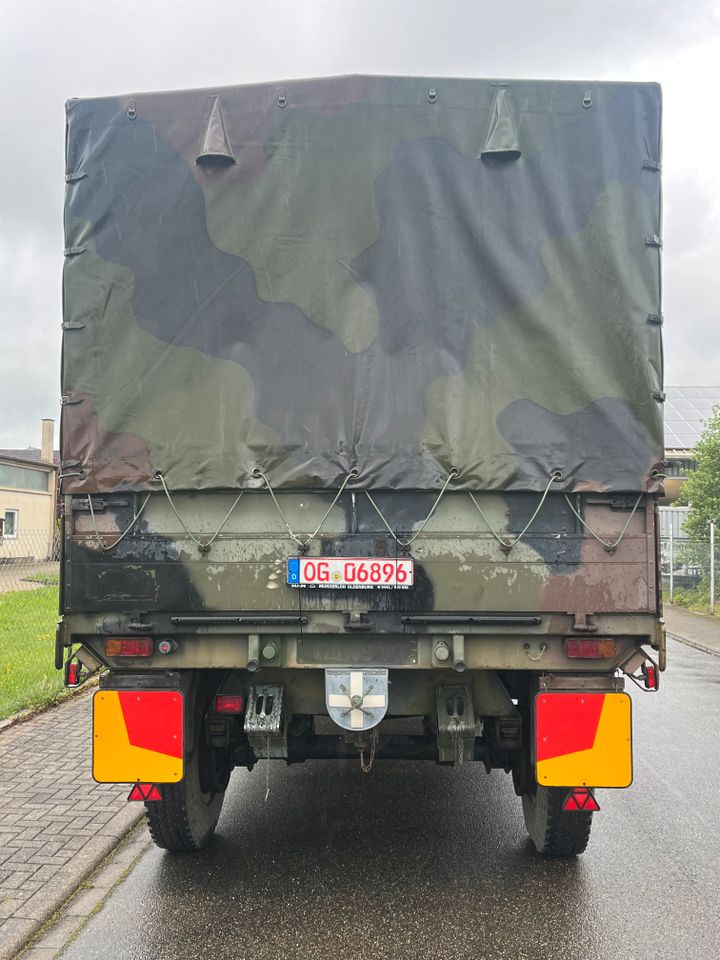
(554, 832)
(186, 817)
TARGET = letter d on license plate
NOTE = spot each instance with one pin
(359, 573)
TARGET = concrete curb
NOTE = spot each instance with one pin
(68, 922)
(33, 914)
(694, 643)
(63, 697)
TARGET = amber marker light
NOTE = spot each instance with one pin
(589, 648)
(128, 647)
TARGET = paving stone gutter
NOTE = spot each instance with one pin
(56, 823)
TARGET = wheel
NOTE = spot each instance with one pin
(186, 817)
(554, 832)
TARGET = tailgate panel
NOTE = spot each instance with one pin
(460, 565)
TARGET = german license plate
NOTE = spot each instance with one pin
(358, 573)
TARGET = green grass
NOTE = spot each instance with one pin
(48, 578)
(28, 677)
(697, 600)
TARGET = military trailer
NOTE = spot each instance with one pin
(362, 434)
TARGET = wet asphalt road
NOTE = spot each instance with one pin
(416, 861)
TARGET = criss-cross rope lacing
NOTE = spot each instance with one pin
(303, 544)
(507, 545)
(109, 546)
(203, 545)
(610, 547)
(406, 543)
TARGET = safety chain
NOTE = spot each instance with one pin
(542, 650)
(507, 545)
(610, 547)
(406, 543)
(109, 546)
(267, 765)
(459, 743)
(303, 544)
(366, 766)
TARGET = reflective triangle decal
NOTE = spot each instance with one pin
(581, 798)
(145, 791)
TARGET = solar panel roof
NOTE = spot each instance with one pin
(686, 410)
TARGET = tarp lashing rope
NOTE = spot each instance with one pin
(303, 544)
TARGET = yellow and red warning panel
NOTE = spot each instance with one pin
(138, 736)
(583, 739)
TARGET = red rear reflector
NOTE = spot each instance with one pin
(589, 648)
(581, 798)
(128, 647)
(228, 704)
(145, 791)
(650, 675)
(73, 674)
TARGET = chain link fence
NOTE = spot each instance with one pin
(29, 575)
(691, 570)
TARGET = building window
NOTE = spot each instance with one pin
(679, 467)
(10, 527)
(23, 478)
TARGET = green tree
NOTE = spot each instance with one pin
(702, 488)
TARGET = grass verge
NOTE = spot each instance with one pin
(28, 677)
(696, 600)
(46, 578)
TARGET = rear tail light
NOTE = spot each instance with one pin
(589, 648)
(224, 703)
(72, 674)
(128, 647)
(650, 676)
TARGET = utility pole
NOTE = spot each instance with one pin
(712, 567)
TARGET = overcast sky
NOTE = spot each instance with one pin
(51, 51)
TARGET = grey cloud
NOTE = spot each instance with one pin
(50, 51)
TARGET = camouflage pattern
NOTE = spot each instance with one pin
(557, 570)
(221, 607)
(397, 276)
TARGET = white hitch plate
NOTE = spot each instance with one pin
(356, 700)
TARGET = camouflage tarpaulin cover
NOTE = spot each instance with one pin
(397, 276)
